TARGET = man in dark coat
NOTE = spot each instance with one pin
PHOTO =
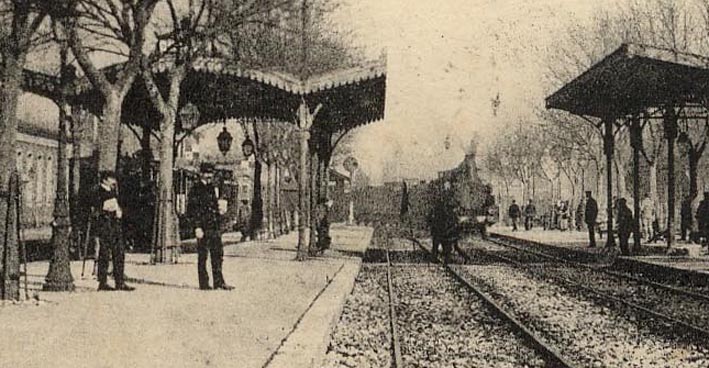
(703, 218)
(204, 215)
(444, 222)
(514, 213)
(434, 218)
(529, 213)
(625, 225)
(685, 217)
(108, 215)
(590, 215)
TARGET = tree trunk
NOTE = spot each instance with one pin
(108, 134)
(166, 216)
(9, 253)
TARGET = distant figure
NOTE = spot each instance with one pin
(685, 218)
(514, 213)
(590, 215)
(579, 215)
(625, 225)
(563, 215)
(529, 213)
(647, 216)
(323, 225)
(703, 219)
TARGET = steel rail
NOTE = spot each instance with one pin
(618, 275)
(684, 327)
(552, 357)
(395, 344)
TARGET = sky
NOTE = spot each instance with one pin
(446, 61)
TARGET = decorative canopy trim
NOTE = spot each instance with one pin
(350, 97)
(634, 78)
(371, 70)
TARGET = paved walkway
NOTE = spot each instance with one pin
(577, 240)
(280, 313)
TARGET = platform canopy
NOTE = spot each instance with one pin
(350, 97)
(632, 79)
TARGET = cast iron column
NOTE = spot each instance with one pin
(59, 276)
(304, 135)
(636, 142)
(670, 127)
(608, 143)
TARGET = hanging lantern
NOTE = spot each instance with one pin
(189, 116)
(247, 147)
(224, 140)
(350, 164)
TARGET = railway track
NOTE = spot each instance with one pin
(587, 333)
(685, 311)
(452, 280)
(405, 311)
(509, 242)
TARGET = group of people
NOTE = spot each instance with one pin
(204, 214)
(515, 213)
(587, 213)
(443, 222)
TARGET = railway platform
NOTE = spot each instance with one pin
(686, 261)
(280, 313)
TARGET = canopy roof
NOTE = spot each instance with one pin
(221, 91)
(632, 79)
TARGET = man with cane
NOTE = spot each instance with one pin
(108, 230)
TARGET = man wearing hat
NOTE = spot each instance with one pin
(204, 214)
(703, 218)
(590, 215)
(108, 215)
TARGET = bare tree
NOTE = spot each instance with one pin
(115, 28)
(20, 22)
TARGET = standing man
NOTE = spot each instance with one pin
(529, 213)
(514, 213)
(647, 213)
(625, 225)
(435, 218)
(205, 214)
(449, 231)
(685, 218)
(579, 215)
(590, 214)
(108, 229)
(703, 218)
